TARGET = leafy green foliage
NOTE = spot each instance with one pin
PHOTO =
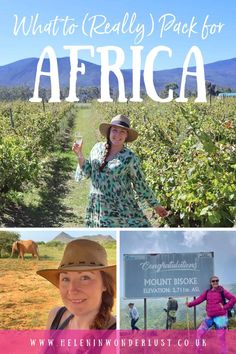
(55, 244)
(29, 133)
(6, 240)
(24, 93)
(16, 163)
(188, 153)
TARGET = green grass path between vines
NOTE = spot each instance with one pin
(86, 123)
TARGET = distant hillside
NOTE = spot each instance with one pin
(22, 73)
(99, 238)
(65, 238)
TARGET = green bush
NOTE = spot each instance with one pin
(188, 154)
(55, 244)
(17, 163)
(29, 135)
(6, 240)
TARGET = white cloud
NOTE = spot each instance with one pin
(193, 238)
(142, 242)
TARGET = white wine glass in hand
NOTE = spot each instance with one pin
(78, 138)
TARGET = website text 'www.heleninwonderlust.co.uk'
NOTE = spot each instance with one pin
(179, 341)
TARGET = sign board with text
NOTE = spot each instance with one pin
(167, 274)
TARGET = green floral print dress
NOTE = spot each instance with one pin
(116, 190)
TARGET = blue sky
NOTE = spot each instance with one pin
(218, 46)
(222, 243)
(46, 235)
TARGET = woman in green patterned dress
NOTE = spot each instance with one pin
(117, 182)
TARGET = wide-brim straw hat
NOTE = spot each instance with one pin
(80, 255)
(121, 121)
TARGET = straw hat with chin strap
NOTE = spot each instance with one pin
(120, 121)
(80, 255)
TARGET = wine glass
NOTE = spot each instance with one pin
(78, 138)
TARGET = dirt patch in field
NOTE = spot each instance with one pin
(26, 298)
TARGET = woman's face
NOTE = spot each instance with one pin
(118, 135)
(214, 282)
(81, 292)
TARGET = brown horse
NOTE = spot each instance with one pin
(23, 247)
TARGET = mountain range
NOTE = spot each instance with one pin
(22, 73)
(63, 237)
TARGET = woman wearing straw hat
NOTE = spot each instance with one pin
(116, 179)
(87, 288)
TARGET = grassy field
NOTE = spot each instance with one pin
(87, 123)
(25, 297)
